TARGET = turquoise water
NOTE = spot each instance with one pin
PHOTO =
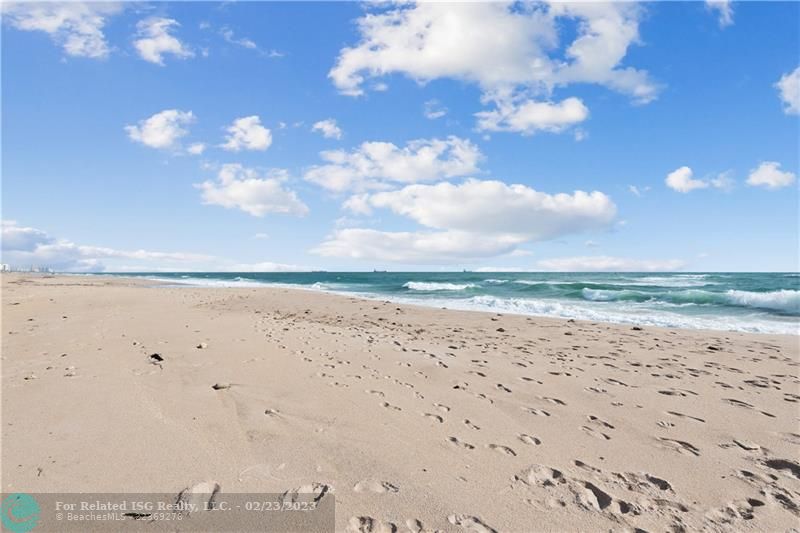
(755, 302)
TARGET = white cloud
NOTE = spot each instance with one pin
(22, 239)
(768, 174)
(471, 220)
(328, 128)
(501, 46)
(373, 164)
(609, 264)
(724, 9)
(529, 116)
(261, 236)
(25, 246)
(591, 244)
(247, 133)
(434, 110)
(196, 148)
(681, 180)
(789, 88)
(412, 247)
(638, 191)
(492, 207)
(154, 40)
(723, 181)
(162, 130)
(76, 26)
(246, 189)
(244, 42)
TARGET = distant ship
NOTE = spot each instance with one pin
(380, 271)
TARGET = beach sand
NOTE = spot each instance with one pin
(417, 418)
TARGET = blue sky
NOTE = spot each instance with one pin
(461, 145)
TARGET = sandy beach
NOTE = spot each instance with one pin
(415, 419)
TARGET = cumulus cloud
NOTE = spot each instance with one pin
(25, 246)
(75, 26)
(609, 264)
(154, 40)
(511, 52)
(434, 109)
(724, 10)
(769, 174)
(375, 164)
(247, 189)
(162, 130)
(492, 207)
(789, 89)
(425, 247)
(681, 180)
(328, 128)
(723, 181)
(22, 239)
(247, 133)
(196, 148)
(529, 116)
(471, 220)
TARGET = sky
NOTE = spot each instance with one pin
(270, 136)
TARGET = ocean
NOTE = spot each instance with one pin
(751, 302)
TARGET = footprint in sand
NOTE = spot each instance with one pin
(470, 425)
(527, 439)
(785, 465)
(433, 417)
(594, 433)
(376, 393)
(470, 523)
(311, 493)
(681, 446)
(502, 387)
(442, 407)
(198, 496)
(739, 403)
(373, 485)
(535, 411)
(502, 449)
(690, 417)
(390, 406)
(455, 441)
(600, 422)
(554, 401)
(416, 526)
(367, 524)
(540, 475)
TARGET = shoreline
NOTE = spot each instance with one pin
(405, 301)
(408, 415)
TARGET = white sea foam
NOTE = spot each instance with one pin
(634, 313)
(434, 286)
(785, 300)
(681, 280)
(600, 295)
